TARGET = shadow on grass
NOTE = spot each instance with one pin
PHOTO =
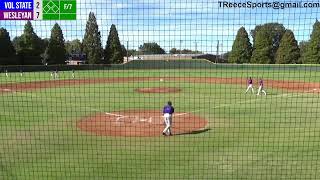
(193, 132)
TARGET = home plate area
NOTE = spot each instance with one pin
(139, 123)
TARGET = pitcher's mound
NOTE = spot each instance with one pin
(159, 90)
(137, 123)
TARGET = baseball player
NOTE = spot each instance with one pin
(73, 75)
(168, 111)
(56, 75)
(250, 85)
(261, 89)
(7, 75)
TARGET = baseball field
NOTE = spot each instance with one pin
(107, 124)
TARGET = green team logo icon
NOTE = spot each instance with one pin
(51, 7)
(59, 9)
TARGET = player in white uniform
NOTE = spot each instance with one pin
(261, 89)
(56, 75)
(250, 85)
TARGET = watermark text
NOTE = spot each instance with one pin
(273, 5)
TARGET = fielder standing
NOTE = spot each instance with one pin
(56, 75)
(250, 85)
(168, 111)
(261, 89)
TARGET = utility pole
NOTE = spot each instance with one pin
(127, 51)
(196, 46)
(221, 51)
(180, 47)
(196, 51)
(217, 55)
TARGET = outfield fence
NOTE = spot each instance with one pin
(159, 64)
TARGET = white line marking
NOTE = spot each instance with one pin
(247, 101)
(288, 95)
(118, 120)
(113, 114)
(180, 114)
(5, 89)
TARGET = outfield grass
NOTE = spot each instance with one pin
(250, 137)
(298, 73)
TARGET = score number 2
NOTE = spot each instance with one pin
(38, 9)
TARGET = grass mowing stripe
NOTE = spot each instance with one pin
(64, 103)
(242, 102)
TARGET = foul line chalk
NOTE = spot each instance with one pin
(5, 89)
(247, 101)
(114, 114)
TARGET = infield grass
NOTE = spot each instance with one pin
(249, 136)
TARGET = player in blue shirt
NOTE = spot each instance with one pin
(168, 111)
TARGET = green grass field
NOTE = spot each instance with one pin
(250, 137)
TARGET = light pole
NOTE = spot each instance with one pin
(196, 46)
(127, 51)
(180, 47)
(217, 55)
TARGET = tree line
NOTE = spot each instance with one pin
(272, 44)
(29, 49)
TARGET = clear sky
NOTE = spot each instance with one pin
(175, 23)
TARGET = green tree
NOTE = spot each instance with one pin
(273, 32)
(124, 51)
(7, 51)
(56, 52)
(312, 53)
(73, 47)
(173, 51)
(288, 51)
(6, 47)
(132, 52)
(188, 51)
(113, 52)
(151, 48)
(241, 49)
(184, 51)
(262, 48)
(92, 41)
(29, 46)
(303, 48)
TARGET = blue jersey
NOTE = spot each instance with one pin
(168, 109)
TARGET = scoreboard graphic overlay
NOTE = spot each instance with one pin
(38, 10)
